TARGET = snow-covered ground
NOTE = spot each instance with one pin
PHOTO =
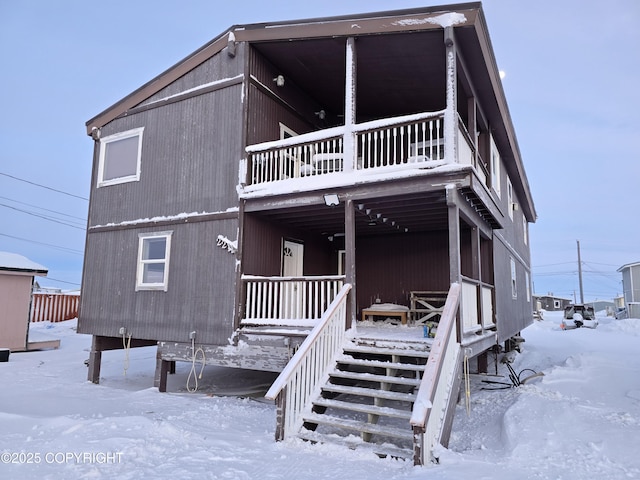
(581, 420)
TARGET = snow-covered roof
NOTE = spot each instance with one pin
(628, 265)
(17, 263)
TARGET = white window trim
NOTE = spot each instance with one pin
(112, 138)
(514, 284)
(525, 230)
(141, 263)
(494, 156)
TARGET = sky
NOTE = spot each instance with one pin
(571, 75)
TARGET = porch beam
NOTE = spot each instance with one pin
(240, 285)
(450, 114)
(350, 258)
(455, 275)
(350, 152)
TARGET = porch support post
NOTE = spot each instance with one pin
(350, 258)
(240, 285)
(476, 268)
(350, 150)
(454, 245)
(450, 114)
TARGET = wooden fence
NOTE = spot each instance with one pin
(54, 307)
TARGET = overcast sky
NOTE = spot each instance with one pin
(572, 83)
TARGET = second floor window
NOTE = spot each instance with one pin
(120, 158)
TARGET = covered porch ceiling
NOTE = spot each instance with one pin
(374, 216)
(397, 73)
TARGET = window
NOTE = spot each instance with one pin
(514, 285)
(525, 230)
(494, 157)
(153, 261)
(528, 280)
(511, 205)
(120, 158)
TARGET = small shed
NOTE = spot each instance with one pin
(16, 282)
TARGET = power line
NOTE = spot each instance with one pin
(62, 281)
(65, 249)
(42, 216)
(44, 186)
(42, 208)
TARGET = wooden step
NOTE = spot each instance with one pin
(355, 425)
(275, 330)
(356, 443)
(363, 408)
(375, 350)
(369, 392)
(349, 360)
(371, 377)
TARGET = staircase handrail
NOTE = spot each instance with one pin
(439, 370)
(311, 361)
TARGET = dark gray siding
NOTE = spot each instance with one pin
(200, 294)
(512, 314)
(191, 151)
(218, 67)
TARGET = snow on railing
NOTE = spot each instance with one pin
(54, 307)
(290, 298)
(310, 365)
(404, 140)
(412, 140)
(433, 397)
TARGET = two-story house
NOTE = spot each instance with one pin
(255, 201)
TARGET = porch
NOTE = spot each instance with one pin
(290, 307)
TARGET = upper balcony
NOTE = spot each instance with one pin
(388, 147)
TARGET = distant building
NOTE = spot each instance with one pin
(551, 303)
(16, 282)
(631, 288)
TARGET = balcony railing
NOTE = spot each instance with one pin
(407, 140)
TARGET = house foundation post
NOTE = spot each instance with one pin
(95, 359)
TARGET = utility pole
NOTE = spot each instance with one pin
(580, 273)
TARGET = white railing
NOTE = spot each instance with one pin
(430, 408)
(402, 140)
(409, 139)
(310, 365)
(289, 298)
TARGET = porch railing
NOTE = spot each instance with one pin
(405, 140)
(272, 299)
(429, 415)
(299, 380)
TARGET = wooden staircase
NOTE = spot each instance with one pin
(367, 401)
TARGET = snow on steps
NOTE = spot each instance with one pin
(370, 392)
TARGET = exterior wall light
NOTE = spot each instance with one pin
(331, 199)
